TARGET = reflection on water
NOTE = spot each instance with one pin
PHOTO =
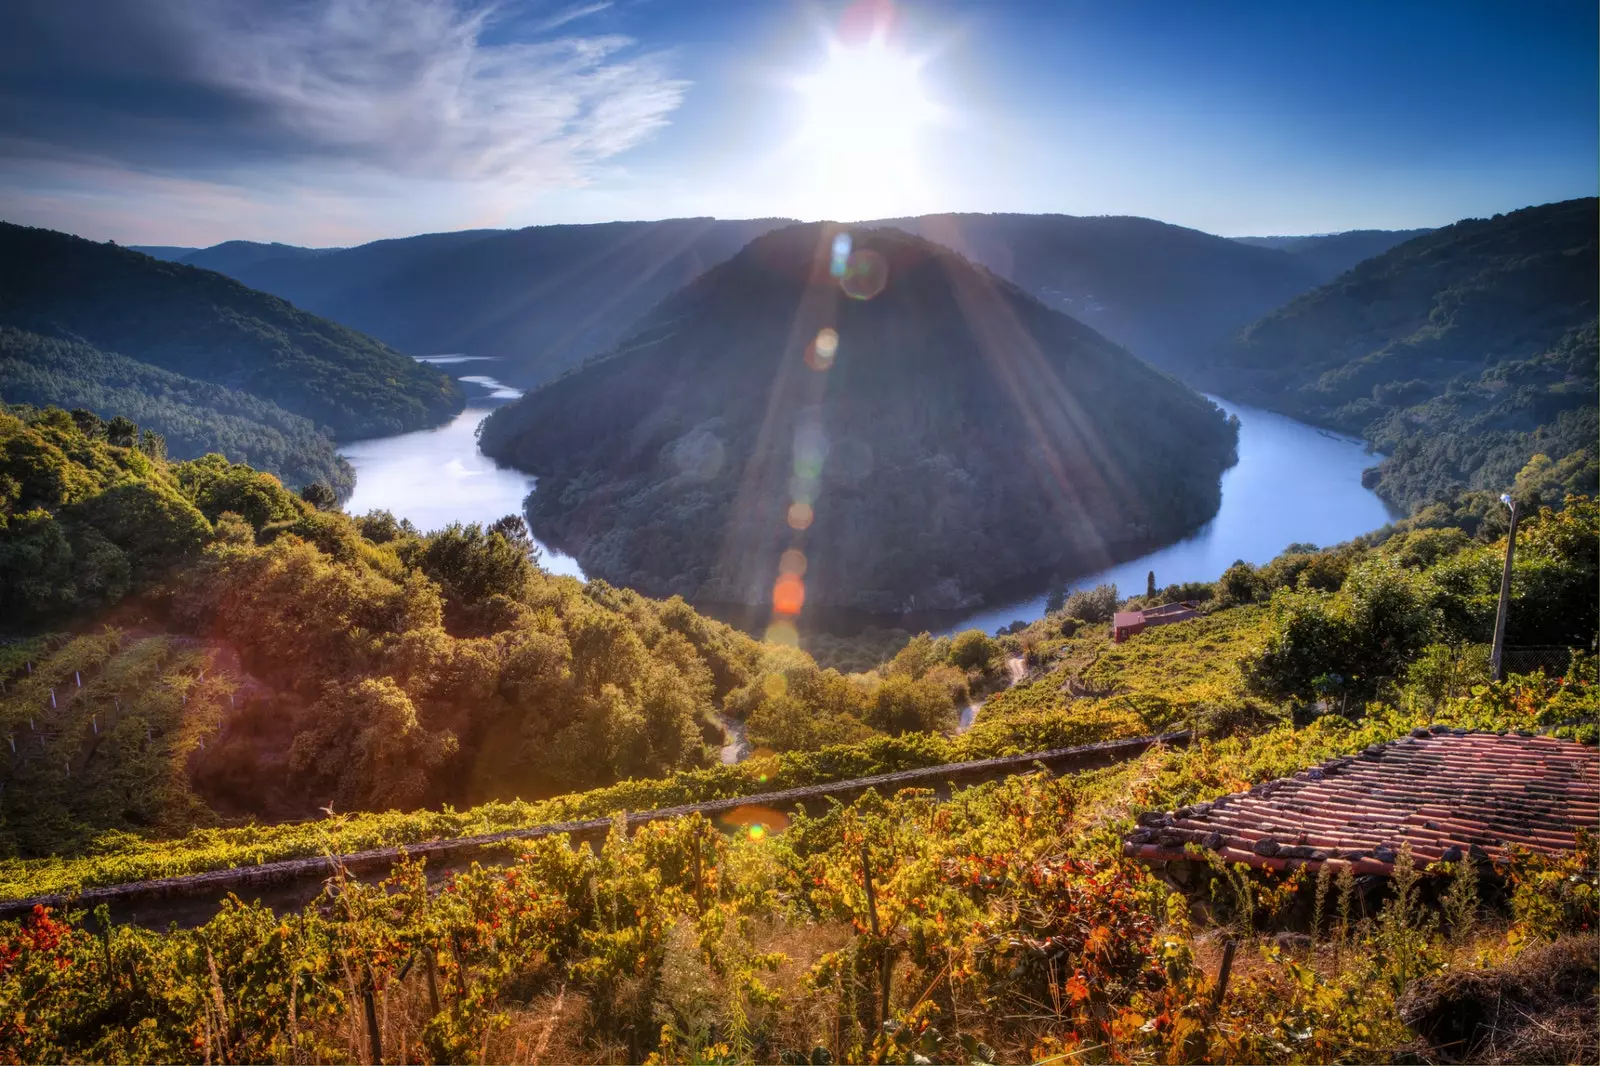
(1293, 483)
(437, 476)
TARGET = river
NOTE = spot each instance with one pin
(437, 476)
(1293, 483)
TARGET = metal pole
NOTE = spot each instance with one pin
(1497, 655)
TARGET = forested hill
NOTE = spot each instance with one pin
(1331, 254)
(1162, 291)
(540, 299)
(1463, 353)
(212, 329)
(921, 447)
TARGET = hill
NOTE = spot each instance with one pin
(922, 447)
(540, 298)
(171, 252)
(1463, 353)
(1331, 254)
(207, 327)
(1163, 292)
(194, 417)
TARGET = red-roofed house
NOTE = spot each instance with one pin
(1127, 623)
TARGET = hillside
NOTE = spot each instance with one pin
(210, 328)
(194, 417)
(1161, 291)
(540, 298)
(926, 924)
(1462, 353)
(922, 447)
(1331, 254)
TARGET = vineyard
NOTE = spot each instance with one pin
(999, 925)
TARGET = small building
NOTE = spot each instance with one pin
(1128, 623)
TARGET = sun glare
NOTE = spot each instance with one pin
(866, 114)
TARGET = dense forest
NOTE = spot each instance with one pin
(1461, 354)
(919, 446)
(210, 328)
(195, 417)
(446, 667)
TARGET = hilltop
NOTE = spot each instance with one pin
(1462, 353)
(209, 328)
(941, 438)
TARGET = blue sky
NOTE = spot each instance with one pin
(336, 121)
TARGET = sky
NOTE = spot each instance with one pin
(333, 122)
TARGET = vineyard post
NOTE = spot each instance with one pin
(872, 899)
(433, 979)
(374, 1040)
(1225, 971)
(699, 893)
(461, 968)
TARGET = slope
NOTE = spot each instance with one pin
(964, 437)
(1162, 291)
(208, 327)
(195, 417)
(1331, 254)
(540, 298)
(1463, 353)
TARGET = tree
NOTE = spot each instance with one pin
(974, 649)
(320, 495)
(1238, 584)
(123, 432)
(1150, 584)
(904, 704)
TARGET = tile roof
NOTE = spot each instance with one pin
(1445, 791)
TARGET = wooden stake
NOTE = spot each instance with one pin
(699, 894)
(373, 1038)
(1229, 946)
(872, 897)
(433, 979)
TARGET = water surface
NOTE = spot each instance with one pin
(1293, 483)
(437, 476)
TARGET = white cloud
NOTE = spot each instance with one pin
(302, 117)
(411, 87)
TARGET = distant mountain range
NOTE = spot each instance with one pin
(1331, 254)
(922, 445)
(1462, 353)
(541, 299)
(545, 298)
(199, 358)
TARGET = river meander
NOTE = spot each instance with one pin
(1293, 483)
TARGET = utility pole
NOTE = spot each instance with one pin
(1497, 655)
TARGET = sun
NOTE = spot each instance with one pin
(866, 117)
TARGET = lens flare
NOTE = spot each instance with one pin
(793, 562)
(841, 254)
(782, 632)
(820, 352)
(788, 595)
(800, 516)
(865, 276)
(776, 686)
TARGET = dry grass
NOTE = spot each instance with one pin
(1541, 1006)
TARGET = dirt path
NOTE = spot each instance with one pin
(1016, 670)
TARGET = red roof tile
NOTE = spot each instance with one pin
(1445, 791)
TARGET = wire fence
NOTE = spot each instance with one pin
(1552, 660)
